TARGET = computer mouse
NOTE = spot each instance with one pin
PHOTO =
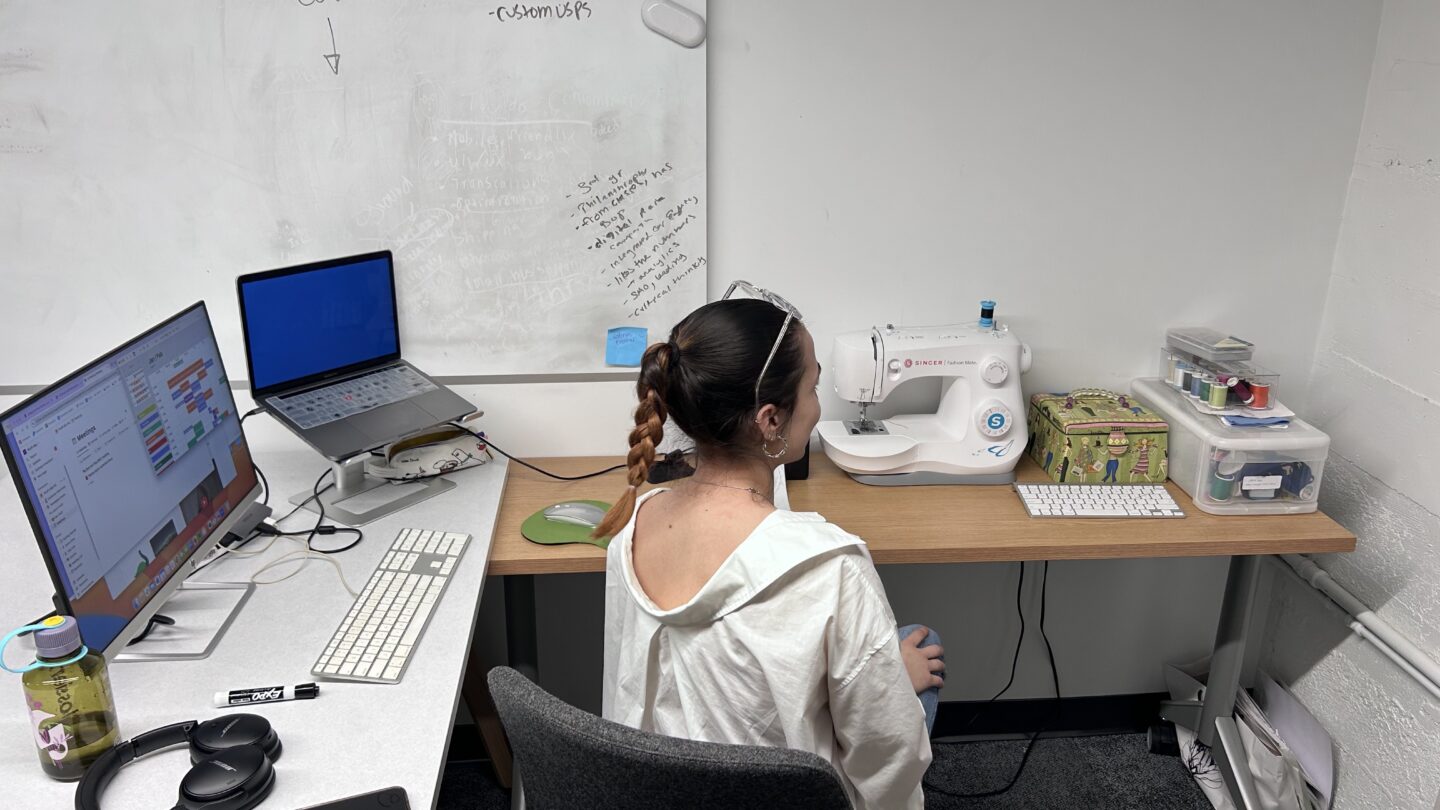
(580, 514)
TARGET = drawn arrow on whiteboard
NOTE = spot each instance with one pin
(333, 57)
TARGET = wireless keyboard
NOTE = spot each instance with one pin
(378, 636)
(1098, 500)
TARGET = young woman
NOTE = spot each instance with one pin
(728, 620)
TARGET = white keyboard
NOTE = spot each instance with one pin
(1098, 500)
(318, 406)
(377, 638)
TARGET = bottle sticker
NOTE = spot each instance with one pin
(1260, 482)
(53, 740)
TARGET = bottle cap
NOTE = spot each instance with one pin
(59, 637)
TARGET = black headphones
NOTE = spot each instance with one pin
(232, 763)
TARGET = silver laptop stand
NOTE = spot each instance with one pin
(357, 498)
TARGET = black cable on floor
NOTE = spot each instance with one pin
(1014, 661)
(1054, 673)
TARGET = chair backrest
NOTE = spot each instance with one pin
(571, 758)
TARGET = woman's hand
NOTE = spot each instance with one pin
(922, 664)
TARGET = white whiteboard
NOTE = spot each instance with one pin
(538, 170)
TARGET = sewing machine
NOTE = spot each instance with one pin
(977, 434)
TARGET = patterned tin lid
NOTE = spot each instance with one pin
(1095, 410)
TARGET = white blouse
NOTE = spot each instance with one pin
(791, 643)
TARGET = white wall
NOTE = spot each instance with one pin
(1104, 170)
(1376, 389)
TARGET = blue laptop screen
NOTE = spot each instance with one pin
(307, 323)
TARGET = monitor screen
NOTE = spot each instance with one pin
(128, 467)
(304, 322)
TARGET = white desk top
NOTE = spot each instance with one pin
(354, 737)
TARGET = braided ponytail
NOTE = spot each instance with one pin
(649, 429)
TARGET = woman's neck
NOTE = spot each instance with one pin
(742, 473)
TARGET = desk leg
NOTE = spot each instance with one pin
(1229, 655)
(523, 649)
(1217, 715)
(476, 691)
(520, 626)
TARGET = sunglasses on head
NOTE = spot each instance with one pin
(791, 314)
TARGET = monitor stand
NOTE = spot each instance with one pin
(357, 498)
(202, 612)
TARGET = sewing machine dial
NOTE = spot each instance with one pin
(995, 371)
(995, 420)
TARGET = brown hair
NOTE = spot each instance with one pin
(704, 377)
(644, 437)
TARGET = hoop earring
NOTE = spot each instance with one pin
(784, 448)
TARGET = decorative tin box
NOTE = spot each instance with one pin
(1093, 436)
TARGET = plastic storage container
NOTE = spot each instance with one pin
(1245, 383)
(1207, 344)
(1238, 471)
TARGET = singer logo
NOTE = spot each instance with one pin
(909, 362)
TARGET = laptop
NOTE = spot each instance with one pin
(322, 345)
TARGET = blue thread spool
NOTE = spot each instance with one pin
(987, 314)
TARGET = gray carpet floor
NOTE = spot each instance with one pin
(1113, 772)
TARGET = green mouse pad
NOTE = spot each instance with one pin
(539, 529)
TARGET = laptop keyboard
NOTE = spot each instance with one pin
(314, 408)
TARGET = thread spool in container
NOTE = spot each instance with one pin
(1222, 487)
(1242, 391)
(1219, 394)
(1260, 393)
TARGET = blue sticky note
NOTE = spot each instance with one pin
(624, 345)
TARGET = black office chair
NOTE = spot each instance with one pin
(570, 758)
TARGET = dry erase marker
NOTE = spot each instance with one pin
(265, 694)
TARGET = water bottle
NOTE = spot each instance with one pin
(67, 694)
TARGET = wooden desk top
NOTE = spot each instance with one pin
(929, 524)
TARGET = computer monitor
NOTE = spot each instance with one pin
(131, 469)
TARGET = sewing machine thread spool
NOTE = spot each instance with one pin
(1219, 393)
(1242, 391)
(1187, 376)
(987, 314)
(1222, 487)
(1260, 393)
(1195, 380)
